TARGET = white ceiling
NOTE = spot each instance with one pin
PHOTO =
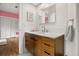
(42, 5)
(9, 7)
(45, 5)
(36, 4)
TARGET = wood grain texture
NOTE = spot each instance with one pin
(10, 49)
(44, 46)
(59, 43)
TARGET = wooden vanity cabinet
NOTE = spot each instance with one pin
(44, 46)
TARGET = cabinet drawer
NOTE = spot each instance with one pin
(44, 53)
(48, 42)
(48, 49)
(47, 52)
(46, 46)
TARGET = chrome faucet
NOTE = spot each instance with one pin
(44, 28)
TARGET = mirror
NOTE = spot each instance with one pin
(47, 15)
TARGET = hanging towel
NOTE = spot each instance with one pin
(69, 33)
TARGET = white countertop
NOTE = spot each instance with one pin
(51, 35)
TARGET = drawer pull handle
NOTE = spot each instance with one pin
(47, 53)
(32, 38)
(46, 44)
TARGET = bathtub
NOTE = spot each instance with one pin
(3, 41)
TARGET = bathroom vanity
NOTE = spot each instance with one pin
(44, 44)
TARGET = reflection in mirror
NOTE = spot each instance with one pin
(47, 15)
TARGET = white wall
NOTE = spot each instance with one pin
(25, 25)
(77, 23)
(9, 27)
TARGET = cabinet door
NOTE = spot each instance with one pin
(31, 43)
(31, 46)
(47, 50)
(35, 46)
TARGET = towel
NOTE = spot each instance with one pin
(69, 33)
